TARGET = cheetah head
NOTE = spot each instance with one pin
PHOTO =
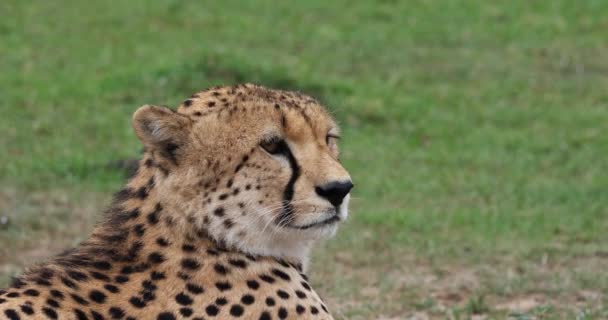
(254, 168)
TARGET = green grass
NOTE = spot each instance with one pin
(475, 131)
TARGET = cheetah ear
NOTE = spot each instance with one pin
(160, 127)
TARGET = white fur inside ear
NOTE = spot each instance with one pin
(156, 130)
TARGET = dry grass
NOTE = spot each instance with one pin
(362, 276)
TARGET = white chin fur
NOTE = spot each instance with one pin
(343, 214)
(282, 242)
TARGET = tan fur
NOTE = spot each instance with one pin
(203, 230)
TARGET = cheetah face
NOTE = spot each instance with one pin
(257, 173)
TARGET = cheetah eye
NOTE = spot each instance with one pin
(275, 146)
(332, 141)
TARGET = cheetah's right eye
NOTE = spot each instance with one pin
(275, 146)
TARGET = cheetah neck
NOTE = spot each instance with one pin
(140, 217)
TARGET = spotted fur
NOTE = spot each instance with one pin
(231, 192)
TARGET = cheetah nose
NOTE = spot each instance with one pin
(334, 191)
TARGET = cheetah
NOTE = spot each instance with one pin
(232, 190)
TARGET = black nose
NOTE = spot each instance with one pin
(335, 191)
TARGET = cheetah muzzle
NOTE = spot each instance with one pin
(232, 191)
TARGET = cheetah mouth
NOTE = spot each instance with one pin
(331, 220)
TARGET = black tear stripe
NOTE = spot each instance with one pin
(287, 209)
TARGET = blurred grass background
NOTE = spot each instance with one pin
(476, 133)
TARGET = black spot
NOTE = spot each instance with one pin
(17, 283)
(324, 308)
(281, 274)
(80, 315)
(97, 296)
(12, 314)
(252, 284)
(265, 316)
(223, 286)
(96, 315)
(236, 310)
(188, 248)
(111, 288)
(190, 264)
(267, 278)
(123, 195)
(137, 302)
(306, 286)
(228, 223)
(223, 196)
(121, 279)
(116, 313)
(212, 310)
(148, 285)
(31, 292)
(133, 213)
(102, 265)
(219, 212)
(194, 288)
(166, 315)
(157, 275)
(77, 275)
(270, 302)
(300, 309)
(282, 294)
(188, 103)
(100, 276)
(115, 236)
(127, 270)
(220, 269)
(52, 303)
(221, 301)
(139, 229)
(162, 242)
(183, 299)
(314, 310)
(50, 313)
(282, 313)
(152, 217)
(149, 163)
(133, 252)
(156, 258)
(13, 294)
(26, 309)
(300, 294)
(141, 193)
(247, 299)
(79, 299)
(186, 312)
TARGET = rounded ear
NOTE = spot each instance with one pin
(160, 127)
